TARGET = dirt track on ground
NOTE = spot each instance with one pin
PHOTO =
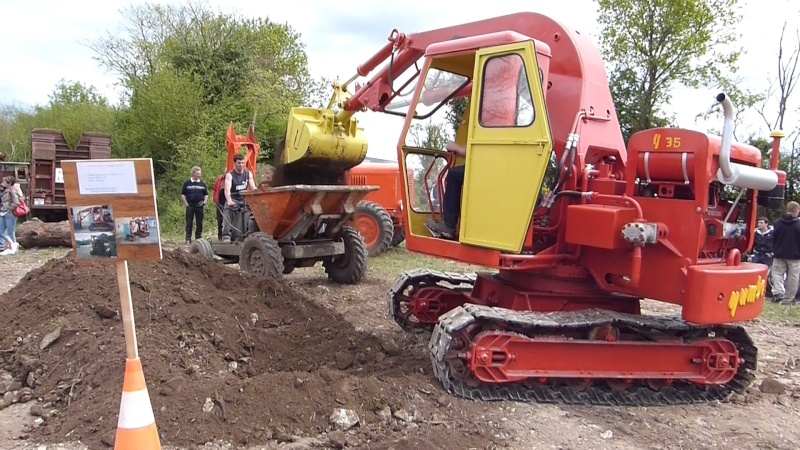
(275, 379)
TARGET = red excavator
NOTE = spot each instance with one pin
(578, 228)
(138, 228)
(379, 218)
(101, 218)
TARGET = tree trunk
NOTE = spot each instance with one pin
(35, 233)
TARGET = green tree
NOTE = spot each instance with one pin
(455, 113)
(433, 136)
(188, 71)
(243, 67)
(653, 45)
(74, 108)
(16, 123)
(430, 135)
(782, 86)
(162, 112)
(133, 52)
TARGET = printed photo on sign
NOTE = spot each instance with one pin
(94, 232)
(93, 218)
(136, 230)
(100, 245)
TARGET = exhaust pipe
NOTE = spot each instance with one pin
(727, 137)
(734, 174)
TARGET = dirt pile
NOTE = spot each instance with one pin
(226, 357)
(313, 174)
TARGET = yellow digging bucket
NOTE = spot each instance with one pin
(317, 138)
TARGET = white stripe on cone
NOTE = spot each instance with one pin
(135, 410)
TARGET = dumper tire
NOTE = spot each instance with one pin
(375, 226)
(349, 267)
(203, 248)
(261, 255)
(399, 236)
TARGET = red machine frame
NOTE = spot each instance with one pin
(368, 218)
(235, 142)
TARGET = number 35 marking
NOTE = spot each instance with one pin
(671, 142)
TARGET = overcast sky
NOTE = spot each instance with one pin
(40, 42)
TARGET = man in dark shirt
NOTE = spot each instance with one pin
(237, 181)
(454, 183)
(786, 251)
(194, 196)
(762, 247)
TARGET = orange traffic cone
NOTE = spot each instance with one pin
(136, 428)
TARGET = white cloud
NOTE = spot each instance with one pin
(41, 42)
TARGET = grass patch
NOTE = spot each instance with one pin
(177, 239)
(391, 263)
(781, 313)
(397, 260)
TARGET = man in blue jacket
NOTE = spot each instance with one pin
(786, 251)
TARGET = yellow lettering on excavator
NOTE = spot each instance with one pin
(747, 295)
(656, 140)
(673, 142)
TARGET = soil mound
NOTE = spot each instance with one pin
(226, 357)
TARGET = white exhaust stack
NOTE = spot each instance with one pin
(734, 174)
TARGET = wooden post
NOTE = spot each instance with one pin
(113, 218)
(126, 309)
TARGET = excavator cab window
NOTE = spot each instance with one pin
(501, 106)
(440, 86)
(425, 193)
(430, 132)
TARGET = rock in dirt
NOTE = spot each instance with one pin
(385, 414)
(338, 439)
(344, 360)
(392, 349)
(7, 400)
(187, 349)
(37, 410)
(344, 419)
(403, 415)
(104, 311)
(772, 386)
(49, 338)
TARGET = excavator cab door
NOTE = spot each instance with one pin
(509, 144)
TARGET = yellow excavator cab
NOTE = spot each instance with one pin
(315, 137)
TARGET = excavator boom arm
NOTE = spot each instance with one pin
(580, 109)
(404, 50)
(578, 98)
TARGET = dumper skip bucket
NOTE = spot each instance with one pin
(277, 211)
